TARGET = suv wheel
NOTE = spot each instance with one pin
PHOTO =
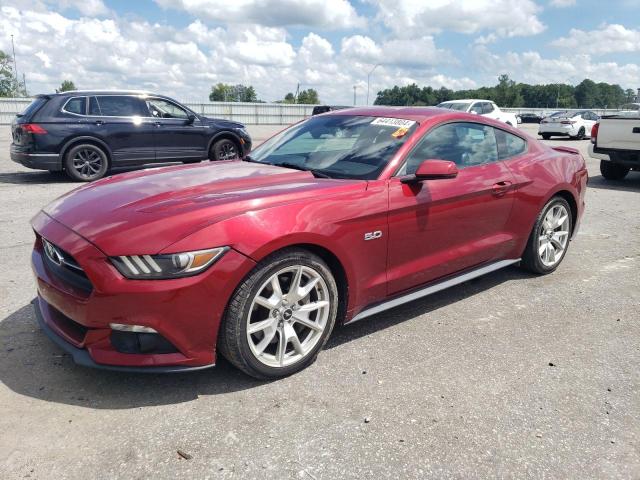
(280, 316)
(224, 149)
(86, 162)
(549, 239)
(613, 171)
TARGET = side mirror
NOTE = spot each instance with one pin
(191, 118)
(433, 170)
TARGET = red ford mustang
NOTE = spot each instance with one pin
(335, 219)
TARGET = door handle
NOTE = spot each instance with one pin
(158, 124)
(500, 188)
(99, 122)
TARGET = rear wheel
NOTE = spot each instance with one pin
(280, 316)
(549, 239)
(86, 162)
(224, 149)
(581, 134)
(613, 171)
(546, 136)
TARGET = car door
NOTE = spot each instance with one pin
(440, 227)
(123, 122)
(177, 136)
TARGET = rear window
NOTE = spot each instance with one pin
(33, 107)
(75, 105)
(117, 106)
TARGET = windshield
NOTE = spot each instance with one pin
(460, 106)
(337, 146)
(33, 106)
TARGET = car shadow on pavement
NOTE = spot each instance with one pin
(33, 178)
(631, 183)
(31, 365)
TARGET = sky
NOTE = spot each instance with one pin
(182, 47)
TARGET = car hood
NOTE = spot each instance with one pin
(144, 212)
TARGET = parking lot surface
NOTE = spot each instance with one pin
(507, 376)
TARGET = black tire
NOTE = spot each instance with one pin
(86, 162)
(531, 258)
(613, 171)
(224, 149)
(232, 339)
(546, 136)
(581, 134)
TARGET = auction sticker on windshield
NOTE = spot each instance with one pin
(393, 122)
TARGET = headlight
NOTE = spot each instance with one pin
(173, 265)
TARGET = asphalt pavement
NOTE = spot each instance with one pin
(507, 376)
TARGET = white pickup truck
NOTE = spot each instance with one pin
(615, 141)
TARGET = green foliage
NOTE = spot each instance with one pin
(8, 85)
(223, 92)
(507, 93)
(66, 86)
(309, 96)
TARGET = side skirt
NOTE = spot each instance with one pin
(433, 288)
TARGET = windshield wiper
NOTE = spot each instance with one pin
(316, 173)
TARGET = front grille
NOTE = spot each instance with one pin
(65, 267)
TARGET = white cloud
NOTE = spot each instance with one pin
(606, 39)
(505, 18)
(562, 3)
(394, 52)
(329, 14)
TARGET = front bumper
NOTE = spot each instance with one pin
(37, 161)
(185, 312)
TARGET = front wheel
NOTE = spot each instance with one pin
(549, 238)
(280, 316)
(86, 162)
(224, 149)
(613, 171)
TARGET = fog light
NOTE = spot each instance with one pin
(131, 328)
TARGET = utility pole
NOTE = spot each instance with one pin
(369, 78)
(15, 65)
(354, 95)
(24, 84)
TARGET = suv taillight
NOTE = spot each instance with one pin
(594, 132)
(33, 128)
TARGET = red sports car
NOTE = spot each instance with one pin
(335, 219)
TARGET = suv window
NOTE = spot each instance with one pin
(465, 144)
(160, 108)
(487, 107)
(75, 105)
(118, 106)
(33, 106)
(509, 145)
(477, 108)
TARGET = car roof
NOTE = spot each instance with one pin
(418, 114)
(467, 100)
(103, 92)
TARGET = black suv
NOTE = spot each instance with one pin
(87, 133)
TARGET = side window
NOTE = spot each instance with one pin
(476, 108)
(160, 108)
(487, 107)
(509, 145)
(121, 106)
(94, 106)
(75, 105)
(465, 144)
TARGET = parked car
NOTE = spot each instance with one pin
(576, 125)
(615, 141)
(326, 108)
(529, 118)
(86, 134)
(486, 108)
(258, 259)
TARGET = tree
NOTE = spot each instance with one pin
(309, 96)
(289, 98)
(66, 86)
(8, 85)
(507, 93)
(223, 92)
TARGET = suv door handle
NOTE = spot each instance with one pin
(99, 122)
(157, 124)
(500, 188)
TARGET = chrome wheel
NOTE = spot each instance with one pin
(553, 235)
(87, 162)
(288, 316)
